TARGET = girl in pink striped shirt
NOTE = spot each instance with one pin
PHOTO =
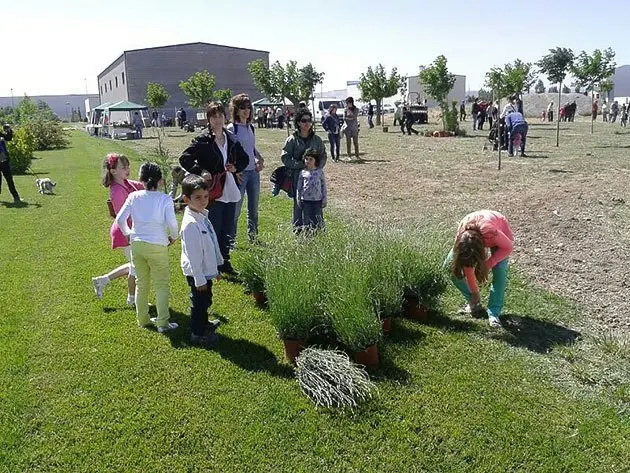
(116, 177)
(469, 263)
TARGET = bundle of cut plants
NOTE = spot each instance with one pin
(330, 379)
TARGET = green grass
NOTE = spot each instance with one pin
(83, 389)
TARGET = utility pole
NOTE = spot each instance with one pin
(12, 105)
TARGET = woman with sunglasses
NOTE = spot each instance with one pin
(292, 155)
(241, 126)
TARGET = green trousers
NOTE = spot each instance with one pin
(151, 263)
(497, 288)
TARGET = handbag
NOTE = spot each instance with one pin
(215, 186)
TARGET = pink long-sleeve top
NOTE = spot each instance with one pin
(118, 195)
(497, 236)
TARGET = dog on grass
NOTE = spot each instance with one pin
(45, 186)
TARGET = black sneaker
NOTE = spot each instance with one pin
(212, 326)
(227, 268)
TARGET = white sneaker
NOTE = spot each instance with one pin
(99, 284)
(465, 310)
(494, 321)
(131, 301)
(170, 326)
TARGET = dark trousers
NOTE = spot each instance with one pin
(370, 122)
(5, 170)
(312, 214)
(200, 301)
(490, 120)
(221, 216)
(409, 127)
(334, 140)
(522, 129)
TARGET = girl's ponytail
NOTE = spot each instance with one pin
(151, 175)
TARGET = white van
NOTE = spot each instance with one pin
(321, 107)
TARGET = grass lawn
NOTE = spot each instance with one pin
(82, 388)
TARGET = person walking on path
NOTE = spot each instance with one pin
(468, 262)
(370, 115)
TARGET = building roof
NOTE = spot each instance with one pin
(173, 46)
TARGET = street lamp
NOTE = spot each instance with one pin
(12, 105)
(67, 103)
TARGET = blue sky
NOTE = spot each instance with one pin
(60, 47)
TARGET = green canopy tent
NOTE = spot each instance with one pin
(122, 106)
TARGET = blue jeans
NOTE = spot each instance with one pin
(522, 129)
(250, 185)
(221, 216)
(312, 215)
(334, 140)
(497, 288)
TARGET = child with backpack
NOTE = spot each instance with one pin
(116, 177)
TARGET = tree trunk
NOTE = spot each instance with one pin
(558, 116)
(378, 111)
(592, 114)
(499, 129)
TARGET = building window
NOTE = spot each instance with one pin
(101, 90)
(116, 80)
(105, 87)
(110, 84)
(123, 78)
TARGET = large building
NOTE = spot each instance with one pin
(127, 77)
(621, 84)
(61, 105)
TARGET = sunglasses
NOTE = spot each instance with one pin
(306, 120)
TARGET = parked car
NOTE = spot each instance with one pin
(388, 108)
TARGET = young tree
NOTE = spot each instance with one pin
(224, 96)
(376, 85)
(157, 96)
(540, 87)
(495, 79)
(519, 77)
(199, 88)
(606, 86)
(590, 71)
(556, 66)
(484, 94)
(279, 82)
(438, 82)
(25, 111)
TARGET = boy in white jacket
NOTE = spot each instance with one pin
(200, 258)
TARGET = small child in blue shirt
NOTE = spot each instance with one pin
(312, 192)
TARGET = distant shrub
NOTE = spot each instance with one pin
(48, 134)
(21, 149)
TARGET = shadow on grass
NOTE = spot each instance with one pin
(534, 156)
(17, 205)
(247, 355)
(439, 320)
(612, 146)
(538, 336)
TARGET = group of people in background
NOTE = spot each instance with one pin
(481, 111)
(610, 114)
(272, 117)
